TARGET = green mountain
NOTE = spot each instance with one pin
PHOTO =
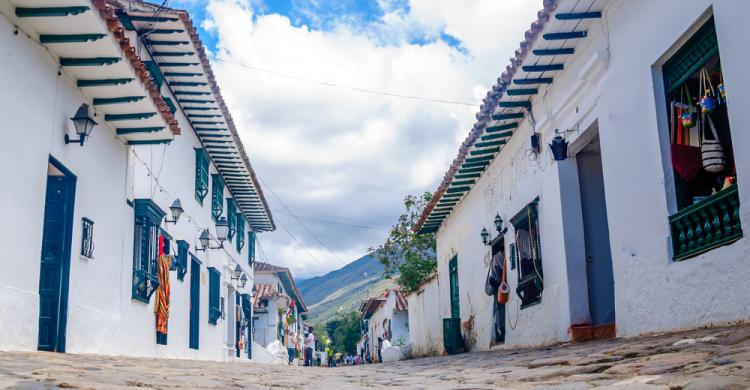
(343, 289)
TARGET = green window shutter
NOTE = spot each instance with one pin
(691, 56)
(201, 175)
(231, 219)
(148, 217)
(182, 256)
(217, 197)
(240, 232)
(214, 296)
(251, 247)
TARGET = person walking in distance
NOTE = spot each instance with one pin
(380, 350)
(309, 348)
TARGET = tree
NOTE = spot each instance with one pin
(409, 256)
(344, 332)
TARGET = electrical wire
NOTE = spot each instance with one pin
(346, 87)
(342, 262)
(323, 221)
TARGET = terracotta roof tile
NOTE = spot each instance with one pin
(489, 103)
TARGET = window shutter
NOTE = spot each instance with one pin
(696, 51)
(217, 198)
(148, 216)
(251, 247)
(240, 232)
(201, 175)
(231, 219)
(182, 256)
(214, 296)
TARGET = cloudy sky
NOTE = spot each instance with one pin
(336, 161)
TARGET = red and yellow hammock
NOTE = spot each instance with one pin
(161, 306)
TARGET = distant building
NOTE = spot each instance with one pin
(130, 208)
(386, 317)
(279, 310)
(606, 175)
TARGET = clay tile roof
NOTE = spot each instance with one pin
(264, 291)
(401, 303)
(493, 96)
(258, 266)
(115, 27)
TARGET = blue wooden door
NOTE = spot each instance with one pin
(599, 275)
(55, 263)
(195, 302)
(454, 292)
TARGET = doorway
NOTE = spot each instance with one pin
(497, 268)
(54, 273)
(453, 272)
(195, 301)
(599, 275)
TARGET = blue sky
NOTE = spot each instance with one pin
(336, 163)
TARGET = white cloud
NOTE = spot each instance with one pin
(348, 153)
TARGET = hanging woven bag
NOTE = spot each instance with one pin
(503, 291)
(712, 153)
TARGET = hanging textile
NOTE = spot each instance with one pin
(161, 306)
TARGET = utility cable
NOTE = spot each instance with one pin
(342, 86)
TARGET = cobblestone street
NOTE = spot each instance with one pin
(701, 359)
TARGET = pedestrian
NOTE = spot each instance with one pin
(309, 347)
(380, 349)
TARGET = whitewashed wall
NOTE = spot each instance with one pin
(614, 82)
(425, 322)
(102, 318)
(36, 115)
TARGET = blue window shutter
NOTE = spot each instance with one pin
(182, 256)
(691, 57)
(217, 197)
(231, 219)
(148, 217)
(201, 175)
(251, 247)
(214, 295)
(240, 232)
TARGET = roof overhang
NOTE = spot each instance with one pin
(90, 45)
(548, 46)
(174, 44)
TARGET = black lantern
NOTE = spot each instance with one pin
(83, 124)
(559, 147)
(485, 236)
(499, 225)
(243, 280)
(176, 209)
(222, 227)
(237, 272)
(204, 239)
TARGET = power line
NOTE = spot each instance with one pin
(301, 223)
(324, 221)
(347, 87)
(358, 221)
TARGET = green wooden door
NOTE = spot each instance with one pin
(453, 272)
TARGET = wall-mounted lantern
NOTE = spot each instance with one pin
(176, 210)
(205, 241)
(559, 147)
(499, 225)
(485, 236)
(243, 280)
(222, 227)
(83, 124)
(237, 272)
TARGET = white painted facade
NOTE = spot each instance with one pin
(611, 87)
(102, 318)
(267, 320)
(425, 322)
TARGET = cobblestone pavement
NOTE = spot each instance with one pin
(716, 358)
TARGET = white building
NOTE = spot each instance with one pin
(425, 321)
(629, 232)
(279, 310)
(386, 317)
(108, 217)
